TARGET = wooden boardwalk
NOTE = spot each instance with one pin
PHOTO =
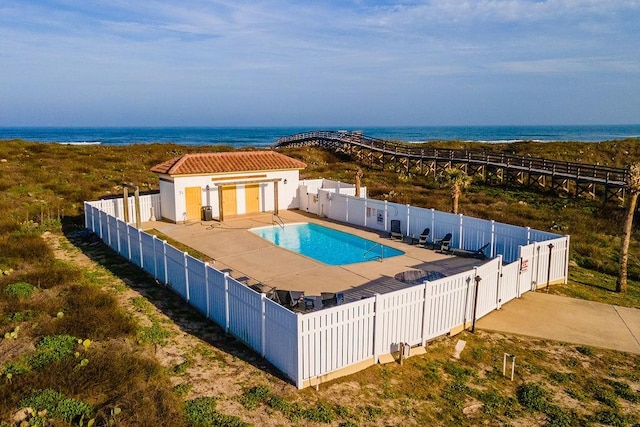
(577, 179)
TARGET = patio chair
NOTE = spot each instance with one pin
(443, 244)
(396, 232)
(478, 253)
(422, 240)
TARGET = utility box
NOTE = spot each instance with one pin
(207, 213)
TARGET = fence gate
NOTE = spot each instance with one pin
(527, 266)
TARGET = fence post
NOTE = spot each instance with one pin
(425, 313)
(528, 235)
(408, 233)
(386, 215)
(226, 302)
(493, 237)
(366, 212)
(499, 294)
(263, 317)
(164, 257)
(128, 242)
(118, 237)
(475, 299)
(154, 239)
(377, 318)
(141, 249)
(566, 258)
(186, 274)
(433, 223)
(461, 233)
(346, 208)
(206, 287)
(299, 362)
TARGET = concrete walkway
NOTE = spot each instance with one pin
(558, 318)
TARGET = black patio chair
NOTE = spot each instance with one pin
(443, 244)
(396, 232)
(422, 240)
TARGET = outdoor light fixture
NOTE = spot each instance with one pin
(285, 181)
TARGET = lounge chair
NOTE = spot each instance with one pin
(422, 240)
(478, 253)
(443, 244)
(396, 232)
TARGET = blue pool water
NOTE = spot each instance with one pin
(324, 244)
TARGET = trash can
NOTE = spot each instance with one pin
(207, 213)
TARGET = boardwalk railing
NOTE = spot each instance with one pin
(314, 347)
(378, 152)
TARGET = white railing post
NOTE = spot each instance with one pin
(566, 258)
(386, 215)
(186, 274)
(499, 295)
(128, 242)
(460, 235)
(346, 208)
(226, 302)
(528, 235)
(493, 238)
(377, 319)
(425, 313)
(366, 206)
(263, 332)
(206, 287)
(166, 267)
(141, 249)
(433, 223)
(299, 353)
(154, 239)
(118, 236)
(408, 220)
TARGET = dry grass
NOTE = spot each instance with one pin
(40, 191)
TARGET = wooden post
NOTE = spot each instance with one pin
(220, 210)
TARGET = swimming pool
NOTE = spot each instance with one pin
(325, 244)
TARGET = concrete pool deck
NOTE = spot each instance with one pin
(252, 259)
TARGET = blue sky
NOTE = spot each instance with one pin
(319, 63)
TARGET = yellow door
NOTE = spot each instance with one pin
(193, 202)
(252, 198)
(229, 201)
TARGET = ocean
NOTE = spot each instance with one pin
(265, 136)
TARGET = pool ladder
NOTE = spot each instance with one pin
(276, 220)
(380, 257)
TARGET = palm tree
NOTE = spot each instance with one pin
(458, 180)
(633, 185)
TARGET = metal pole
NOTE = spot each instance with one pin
(475, 303)
(549, 266)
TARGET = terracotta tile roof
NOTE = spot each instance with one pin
(236, 161)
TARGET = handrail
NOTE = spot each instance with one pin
(379, 257)
(276, 220)
(533, 164)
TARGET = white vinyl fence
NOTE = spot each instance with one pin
(308, 347)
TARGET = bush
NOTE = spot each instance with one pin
(19, 290)
(52, 349)
(532, 396)
(202, 412)
(57, 405)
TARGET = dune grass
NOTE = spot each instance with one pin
(117, 379)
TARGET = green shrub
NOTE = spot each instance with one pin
(154, 334)
(57, 405)
(202, 412)
(533, 396)
(20, 290)
(53, 348)
(255, 395)
(610, 418)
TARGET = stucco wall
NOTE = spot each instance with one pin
(174, 202)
